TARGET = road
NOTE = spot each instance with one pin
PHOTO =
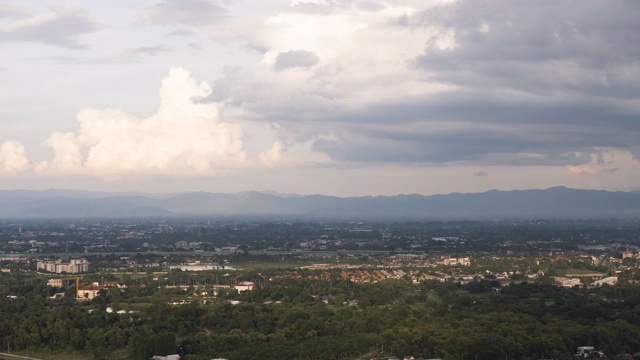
(11, 356)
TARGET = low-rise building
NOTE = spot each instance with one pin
(88, 292)
(57, 283)
(168, 357)
(566, 282)
(611, 280)
(244, 285)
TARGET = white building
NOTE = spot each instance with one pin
(566, 282)
(168, 357)
(57, 283)
(73, 266)
(611, 280)
(88, 292)
(245, 285)
(465, 261)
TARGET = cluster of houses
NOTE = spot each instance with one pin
(87, 292)
(92, 290)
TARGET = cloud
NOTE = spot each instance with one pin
(184, 12)
(480, 173)
(183, 32)
(295, 58)
(195, 46)
(13, 160)
(273, 156)
(433, 82)
(635, 152)
(12, 11)
(503, 46)
(147, 50)
(184, 138)
(581, 170)
(331, 7)
(67, 157)
(57, 26)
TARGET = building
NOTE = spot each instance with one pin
(114, 284)
(57, 283)
(585, 351)
(182, 244)
(566, 282)
(89, 291)
(168, 357)
(73, 266)
(611, 280)
(245, 285)
(465, 261)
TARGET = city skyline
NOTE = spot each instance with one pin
(341, 98)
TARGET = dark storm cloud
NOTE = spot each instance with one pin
(558, 76)
(58, 26)
(385, 150)
(466, 127)
(451, 142)
(184, 12)
(524, 83)
(573, 114)
(538, 46)
(295, 58)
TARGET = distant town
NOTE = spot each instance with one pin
(598, 251)
(129, 267)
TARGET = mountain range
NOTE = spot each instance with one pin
(557, 202)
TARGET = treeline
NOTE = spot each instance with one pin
(334, 319)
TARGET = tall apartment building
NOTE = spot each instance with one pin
(73, 266)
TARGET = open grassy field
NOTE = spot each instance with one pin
(269, 265)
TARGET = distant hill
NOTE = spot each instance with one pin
(558, 202)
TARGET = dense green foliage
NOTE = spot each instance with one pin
(329, 319)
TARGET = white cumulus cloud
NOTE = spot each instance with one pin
(581, 170)
(272, 157)
(184, 138)
(12, 159)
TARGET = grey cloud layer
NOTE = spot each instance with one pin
(296, 58)
(530, 83)
(539, 46)
(147, 50)
(59, 26)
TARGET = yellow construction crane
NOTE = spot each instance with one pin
(77, 281)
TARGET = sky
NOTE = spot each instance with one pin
(345, 98)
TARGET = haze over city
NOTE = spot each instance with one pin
(345, 98)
